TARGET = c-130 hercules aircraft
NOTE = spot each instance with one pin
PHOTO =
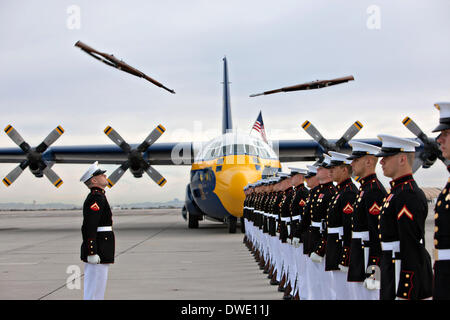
(220, 168)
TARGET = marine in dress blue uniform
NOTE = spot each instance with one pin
(305, 223)
(441, 281)
(318, 230)
(365, 249)
(339, 213)
(98, 246)
(405, 263)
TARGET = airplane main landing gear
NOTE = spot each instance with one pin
(232, 222)
(192, 221)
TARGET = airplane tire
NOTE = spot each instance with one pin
(232, 222)
(242, 225)
(192, 222)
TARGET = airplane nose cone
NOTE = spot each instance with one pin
(230, 185)
(238, 182)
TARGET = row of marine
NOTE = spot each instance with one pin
(332, 240)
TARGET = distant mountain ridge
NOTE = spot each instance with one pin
(175, 203)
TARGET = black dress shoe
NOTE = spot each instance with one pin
(287, 297)
(274, 282)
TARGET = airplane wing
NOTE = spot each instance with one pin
(137, 158)
(309, 150)
(157, 154)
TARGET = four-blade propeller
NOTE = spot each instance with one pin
(34, 160)
(135, 162)
(427, 157)
(138, 165)
(324, 143)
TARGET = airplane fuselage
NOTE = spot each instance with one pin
(222, 169)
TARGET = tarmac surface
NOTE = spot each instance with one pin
(157, 258)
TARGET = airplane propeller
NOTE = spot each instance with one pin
(135, 162)
(324, 143)
(427, 157)
(38, 166)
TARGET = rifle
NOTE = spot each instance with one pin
(308, 85)
(112, 61)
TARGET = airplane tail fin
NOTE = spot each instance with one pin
(227, 124)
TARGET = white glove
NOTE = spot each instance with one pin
(289, 240)
(296, 242)
(343, 268)
(316, 258)
(372, 284)
(95, 259)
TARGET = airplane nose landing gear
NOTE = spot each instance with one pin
(232, 222)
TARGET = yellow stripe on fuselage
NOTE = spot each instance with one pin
(236, 172)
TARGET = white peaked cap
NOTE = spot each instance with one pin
(93, 170)
(392, 145)
(444, 116)
(360, 147)
(311, 169)
(342, 157)
(326, 161)
(298, 170)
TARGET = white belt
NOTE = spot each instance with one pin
(441, 254)
(299, 217)
(363, 235)
(286, 219)
(339, 230)
(264, 214)
(316, 224)
(102, 229)
(392, 245)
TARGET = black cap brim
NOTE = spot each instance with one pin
(386, 154)
(98, 172)
(442, 126)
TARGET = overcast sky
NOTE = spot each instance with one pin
(398, 52)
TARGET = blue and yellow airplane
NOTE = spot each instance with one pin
(220, 168)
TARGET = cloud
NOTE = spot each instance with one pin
(400, 70)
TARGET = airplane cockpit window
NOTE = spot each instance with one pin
(210, 154)
(235, 144)
(252, 150)
(239, 149)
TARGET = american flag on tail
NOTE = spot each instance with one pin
(259, 126)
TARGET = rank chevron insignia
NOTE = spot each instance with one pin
(406, 212)
(375, 209)
(95, 207)
(348, 208)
